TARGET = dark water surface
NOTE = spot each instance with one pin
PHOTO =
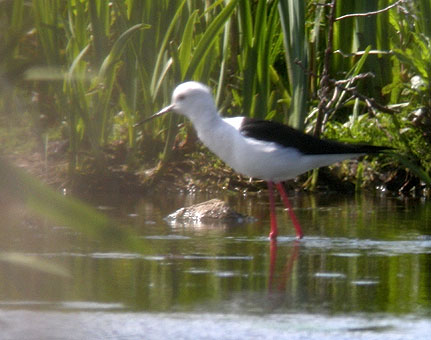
(363, 271)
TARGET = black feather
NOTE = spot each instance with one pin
(287, 136)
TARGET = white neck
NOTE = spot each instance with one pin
(216, 134)
(203, 121)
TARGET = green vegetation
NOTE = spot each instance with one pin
(86, 71)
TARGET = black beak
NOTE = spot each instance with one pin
(158, 114)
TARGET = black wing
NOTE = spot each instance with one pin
(286, 136)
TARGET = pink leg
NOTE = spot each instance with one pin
(272, 261)
(273, 233)
(286, 202)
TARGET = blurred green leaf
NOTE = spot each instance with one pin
(35, 263)
(47, 203)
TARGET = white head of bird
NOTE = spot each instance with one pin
(193, 100)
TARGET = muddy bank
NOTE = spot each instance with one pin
(196, 170)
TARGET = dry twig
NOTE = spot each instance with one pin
(367, 14)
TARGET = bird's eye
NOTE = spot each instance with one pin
(181, 97)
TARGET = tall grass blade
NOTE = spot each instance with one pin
(117, 50)
(185, 50)
(221, 83)
(292, 17)
(248, 56)
(205, 43)
(161, 53)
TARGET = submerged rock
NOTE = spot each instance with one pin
(211, 211)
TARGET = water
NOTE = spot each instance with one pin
(363, 271)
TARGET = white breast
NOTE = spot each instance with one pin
(259, 159)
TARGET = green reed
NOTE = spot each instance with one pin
(106, 65)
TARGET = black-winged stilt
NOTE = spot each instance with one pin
(258, 148)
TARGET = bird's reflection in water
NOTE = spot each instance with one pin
(278, 283)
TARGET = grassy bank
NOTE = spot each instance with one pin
(83, 72)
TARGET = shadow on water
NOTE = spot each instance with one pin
(363, 269)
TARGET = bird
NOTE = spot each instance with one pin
(257, 148)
